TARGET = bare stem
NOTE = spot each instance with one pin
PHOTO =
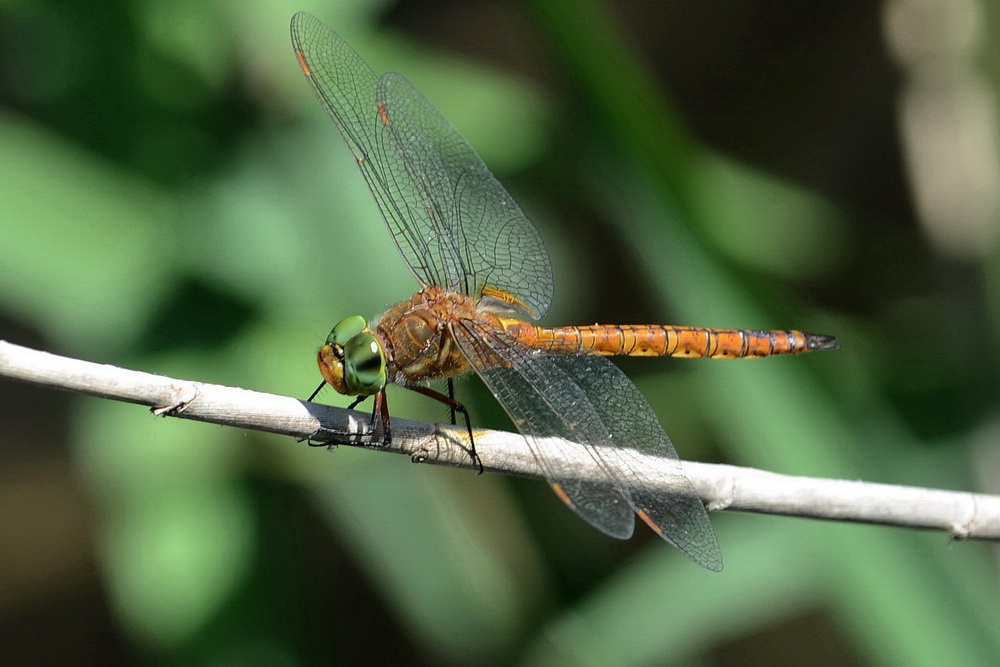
(961, 515)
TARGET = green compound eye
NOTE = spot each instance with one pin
(364, 364)
(345, 330)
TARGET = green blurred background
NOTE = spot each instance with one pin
(173, 199)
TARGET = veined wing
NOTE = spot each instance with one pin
(588, 400)
(453, 222)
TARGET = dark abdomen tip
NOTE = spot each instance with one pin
(821, 342)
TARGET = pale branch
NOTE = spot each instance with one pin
(961, 515)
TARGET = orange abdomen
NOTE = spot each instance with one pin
(655, 340)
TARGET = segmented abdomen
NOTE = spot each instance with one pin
(655, 340)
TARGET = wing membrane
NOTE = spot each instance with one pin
(453, 222)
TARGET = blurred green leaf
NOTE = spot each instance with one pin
(87, 249)
(178, 537)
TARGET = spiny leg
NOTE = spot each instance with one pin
(455, 407)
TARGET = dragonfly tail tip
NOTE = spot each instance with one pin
(821, 342)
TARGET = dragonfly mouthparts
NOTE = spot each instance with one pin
(821, 342)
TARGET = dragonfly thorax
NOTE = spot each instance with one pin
(353, 360)
(417, 336)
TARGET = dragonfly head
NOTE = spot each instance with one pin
(353, 361)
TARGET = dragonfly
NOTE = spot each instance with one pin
(485, 277)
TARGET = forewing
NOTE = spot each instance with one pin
(454, 223)
(477, 235)
(588, 400)
(346, 87)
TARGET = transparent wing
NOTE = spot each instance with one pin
(588, 400)
(453, 222)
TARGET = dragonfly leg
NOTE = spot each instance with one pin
(318, 389)
(311, 438)
(317, 439)
(356, 402)
(455, 407)
(380, 414)
(381, 408)
(451, 406)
